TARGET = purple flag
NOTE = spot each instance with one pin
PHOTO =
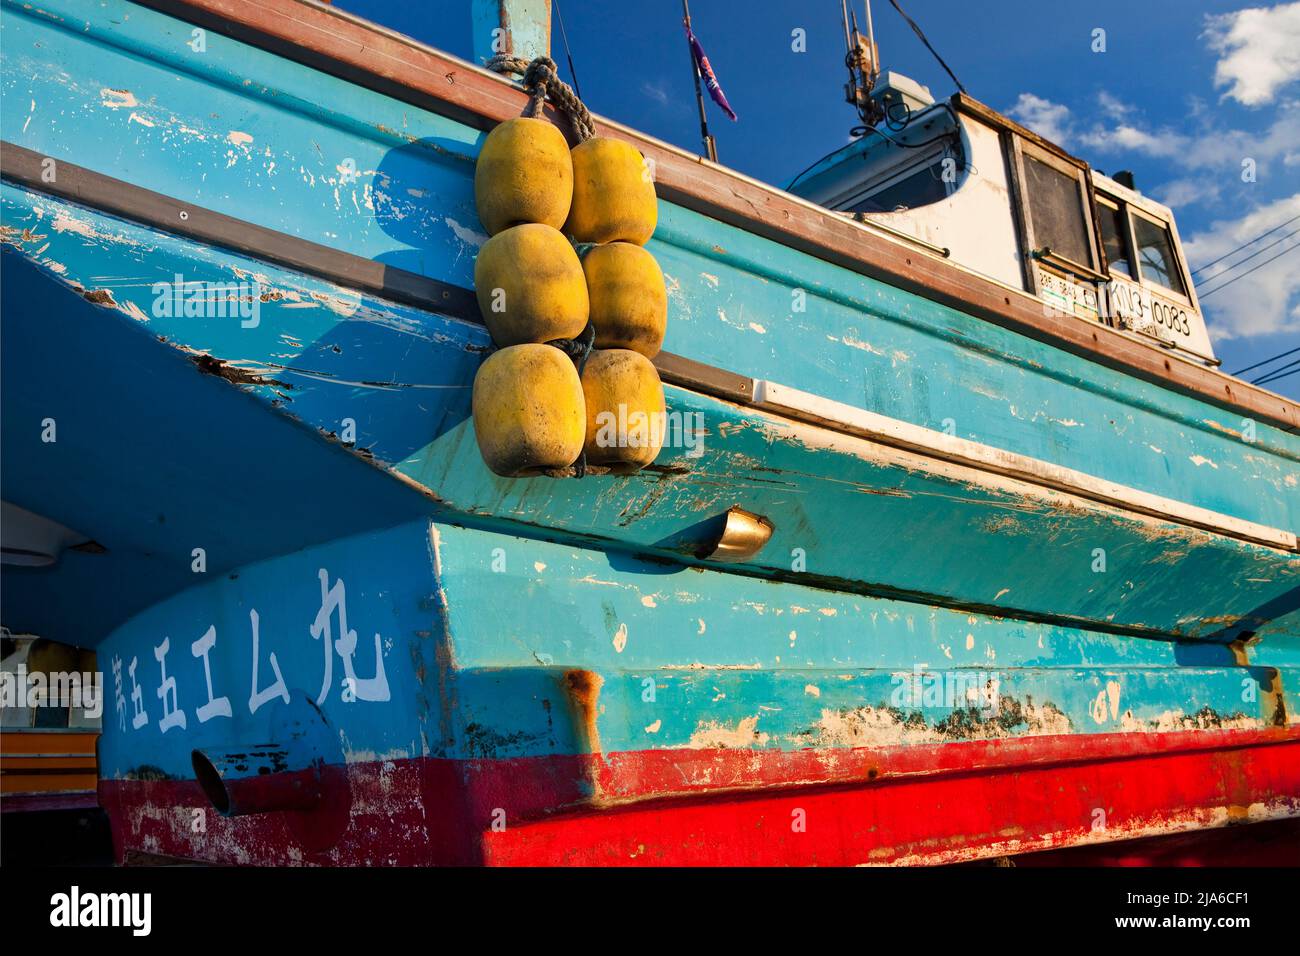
(706, 71)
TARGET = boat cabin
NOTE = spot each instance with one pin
(962, 181)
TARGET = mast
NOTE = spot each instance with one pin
(710, 147)
(518, 27)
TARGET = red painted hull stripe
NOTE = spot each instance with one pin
(429, 811)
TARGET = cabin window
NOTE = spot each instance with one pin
(1056, 211)
(1114, 237)
(1155, 254)
(917, 188)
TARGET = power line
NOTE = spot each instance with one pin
(1244, 245)
(1268, 375)
(1278, 373)
(1205, 295)
(1270, 381)
(1242, 262)
(1273, 358)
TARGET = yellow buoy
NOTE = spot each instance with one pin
(613, 195)
(530, 286)
(524, 174)
(529, 412)
(629, 305)
(625, 410)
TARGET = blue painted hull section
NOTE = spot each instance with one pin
(902, 602)
(266, 140)
(470, 674)
(848, 514)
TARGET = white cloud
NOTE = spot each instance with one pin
(1214, 152)
(1261, 303)
(1259, 51)
(1215, 157)
(1189, 191)
(1054, 121)
(656, 92)
(1113, 106)
(1123, 130)
(1163, 143)
(1049, 120)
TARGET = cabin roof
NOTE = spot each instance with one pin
(971, 185)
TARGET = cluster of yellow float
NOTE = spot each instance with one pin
(533, 412)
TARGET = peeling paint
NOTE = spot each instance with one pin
(715, 735)
(117, 99)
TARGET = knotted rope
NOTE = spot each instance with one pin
(541, 80)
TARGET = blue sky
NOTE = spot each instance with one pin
(1185, 91)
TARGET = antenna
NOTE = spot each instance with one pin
(863, 62)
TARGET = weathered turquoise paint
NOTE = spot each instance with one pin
(152, 459)
(689, 658)
(861, 518)
(723, 651)
(410, 204)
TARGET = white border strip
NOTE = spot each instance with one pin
(813, 409)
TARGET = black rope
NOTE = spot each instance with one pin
(898, 125)
(579, 349)
(917, 30)
(858, 132)
(564, 37)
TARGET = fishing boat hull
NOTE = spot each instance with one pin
(1016, 598)
(583, 721)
